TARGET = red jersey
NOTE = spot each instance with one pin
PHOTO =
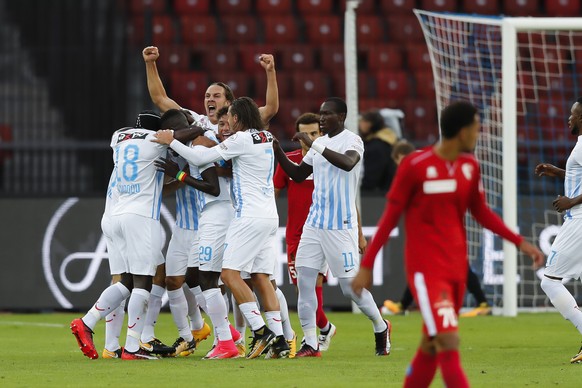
(299, 198)
(435, 194)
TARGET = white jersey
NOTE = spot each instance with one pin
(187, 213)
(139, 184)
(224, 182)
(334, 195)
(203, 121)
(573, 179)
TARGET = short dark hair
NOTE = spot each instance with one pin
(340, 104)
(247, 112)
(228, 94)
(174, 119)
(221, 112)
(148, 119)
(456, 116)
(402, 147)
(375, 119)
(305, 119)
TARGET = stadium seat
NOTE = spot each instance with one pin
(238, 82)
(322, 30)
(289, 111)
(280, 29)
(274, 7)
(483, 7)
(392, 84)
(366, 7)
(391, 7)
(384, 57)
(521, 7)
(249, 56)
(191, 7)
(298, 57)
(331, 57)
(233, 7)
(554, 113)
(366, 104)
(320, 7)
(439, 5)
(199, 30)
(161, 31)
(140, 6)
(218, 58)
(425, 86)
(174, 58)
(339, 85)
(310, 84)
(403, 28)
(369, 30)
(188, 86)
(240, 29)
(259, 83)
(550, 59)
(562, 7)
(420, 112)
(417, 57)
(423, 134)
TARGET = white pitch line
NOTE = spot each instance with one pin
(41, 324)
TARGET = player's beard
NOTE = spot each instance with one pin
(575, 130)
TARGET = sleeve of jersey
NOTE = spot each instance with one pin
(280, 178)
(398, 196)
(308, 158)
(487, 217)
(199, 155)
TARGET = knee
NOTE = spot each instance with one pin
(228, 276)
(174, 282)
(548, 284)
(446, 341)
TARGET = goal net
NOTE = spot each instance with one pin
(522, 75)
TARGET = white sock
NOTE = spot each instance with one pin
(108, 301)
(240, 323)
(179, 310)
(196, 320)
(136, 313)
(307, 304)
(226, 302)
(563, 301)
(366, 303)
(285, 321)
(218, 314)
(154, 307)
(113, 325)
(274, 322)
(252, 314)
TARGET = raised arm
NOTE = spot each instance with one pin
(546, 169)
(271, 107)
(345, 161)
(296, 172)
(155, 86)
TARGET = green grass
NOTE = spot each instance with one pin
(530, 350)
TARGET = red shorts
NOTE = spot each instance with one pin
(291, 252)
(439, 301)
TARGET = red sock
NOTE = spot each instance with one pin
(321, 319)
(451, 370)
(421, 370)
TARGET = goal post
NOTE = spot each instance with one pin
(521, 74)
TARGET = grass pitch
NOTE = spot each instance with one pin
(530, 350)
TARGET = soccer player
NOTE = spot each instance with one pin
(298, 203)
(250, 237)
(435, 187)
(564, 261)
(330, 233)
(217, 95)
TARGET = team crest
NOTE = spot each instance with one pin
(431, 172)
(467, 171)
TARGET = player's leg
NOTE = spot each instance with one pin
(154, 304)
(327, 329)
(422, 368)
(401, 306)
(474, 287)
(288, 332)
(113, 325)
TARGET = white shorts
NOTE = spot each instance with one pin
(247, 275)
(213, 225)
(182, 251)
(339, 248)
(116, 264)
(250, 245)
(564, 259)
(139, 240)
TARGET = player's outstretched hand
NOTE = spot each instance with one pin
(532, 251)
(362, 280)
(562, 203)
(164, 136)
(546, 169)
(150, 54)
(167, 166)
(267, 61)
(304, 138)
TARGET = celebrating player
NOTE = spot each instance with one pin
(435, 187)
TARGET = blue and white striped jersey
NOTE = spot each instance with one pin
(139, 184)
(334, 195)
(573, 179)
(187, 213)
